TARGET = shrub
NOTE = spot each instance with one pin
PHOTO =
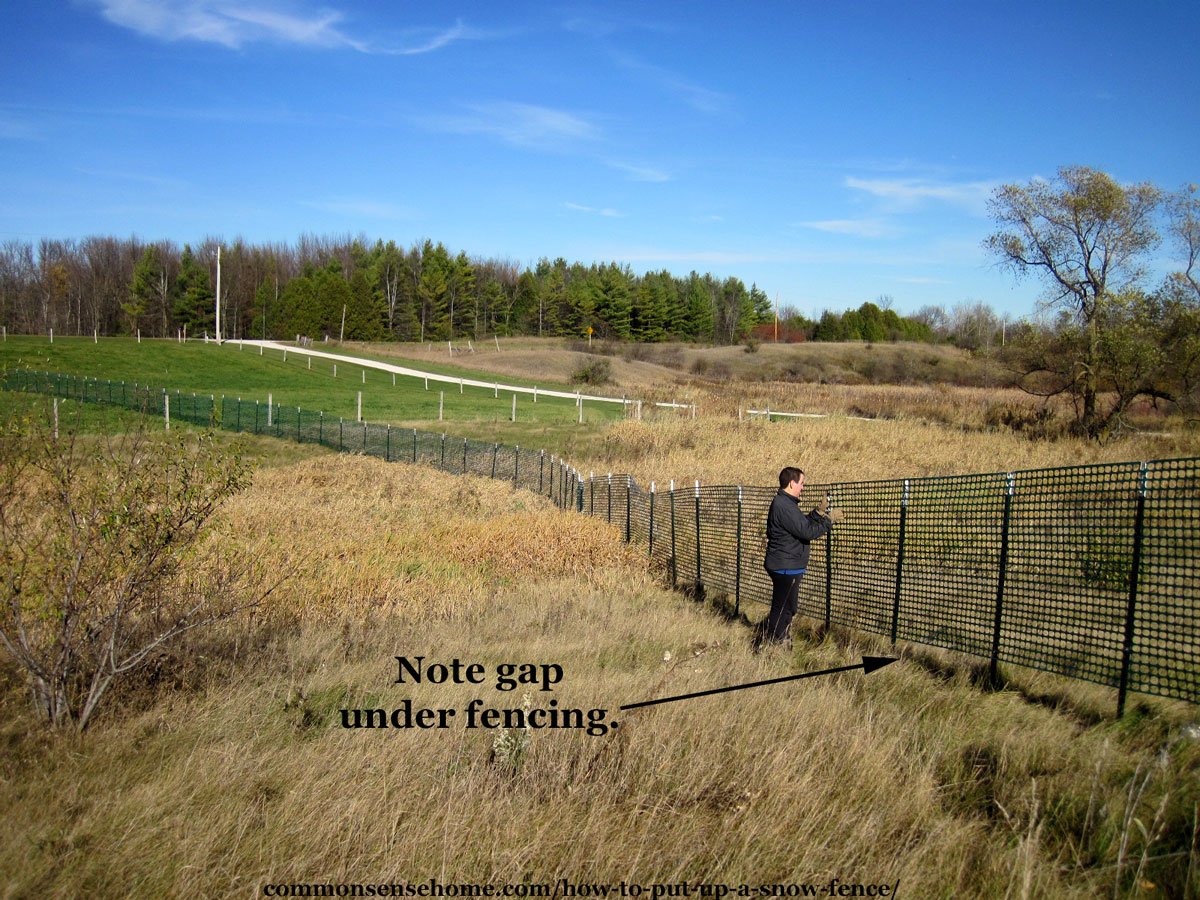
(92, 542)
(1038, 424)
(593, 371)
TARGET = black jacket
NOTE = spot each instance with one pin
(789, 532)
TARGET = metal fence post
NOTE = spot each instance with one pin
(579, 492)
(464, 456)
(341, 434)
(996, 628)
(737, 557)
(442, 465)
(495, 453)
(697, 534)
(414, 445)
(628, 510)
(610, 498)
(1131, 609)
(516, 464)
(829, 576)
(387, 453)
(900, 562)
(541, 468)
(674, 563)
(652, 520)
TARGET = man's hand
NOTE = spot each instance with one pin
(823, 506)
(835, 515)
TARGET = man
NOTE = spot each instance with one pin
(789, 533)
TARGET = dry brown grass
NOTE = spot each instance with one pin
(840, 449)
(244, 776)
(365, 537)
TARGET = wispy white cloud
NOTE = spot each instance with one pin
(924, 279)
(154, 181)
(640, 173)
(907, 193)
(361, 208)
(17, 128)
(234, 25)
(608, 212)
(708, 257)
(866, 228)
(700, 98)
(600, 23)
(519, 124)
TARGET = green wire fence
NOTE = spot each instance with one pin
(1091, 572)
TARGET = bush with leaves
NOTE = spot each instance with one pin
(595, 370)
(95, 539)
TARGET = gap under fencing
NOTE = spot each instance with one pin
(1090, 572)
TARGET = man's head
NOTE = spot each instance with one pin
(791, 480)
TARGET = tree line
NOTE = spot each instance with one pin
(353, 288)
(356, 289)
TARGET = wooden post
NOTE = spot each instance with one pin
(359, 419)
(441, 403)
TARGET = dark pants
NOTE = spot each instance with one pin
(784, 592)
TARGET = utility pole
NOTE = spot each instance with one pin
(342, 333)
(218, 294)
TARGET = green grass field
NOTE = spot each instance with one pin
(550, 423)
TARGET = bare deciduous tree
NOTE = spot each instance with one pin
(93, 547)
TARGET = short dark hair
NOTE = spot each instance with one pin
(788, 475)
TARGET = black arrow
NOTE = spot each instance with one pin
(869, 664)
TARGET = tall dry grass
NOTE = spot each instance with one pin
(841, 449)
(242, 776)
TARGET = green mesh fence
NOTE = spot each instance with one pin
(1090, 572)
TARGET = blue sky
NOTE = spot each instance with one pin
(829, 152)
